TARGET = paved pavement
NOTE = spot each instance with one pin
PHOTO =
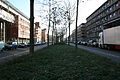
(11, 54)
(113, 55)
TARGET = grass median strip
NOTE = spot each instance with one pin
(60, 62)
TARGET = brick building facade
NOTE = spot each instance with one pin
(44, 35)
(14, 25)
(37, 32)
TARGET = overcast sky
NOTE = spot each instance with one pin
(85, 8)
(88, 7)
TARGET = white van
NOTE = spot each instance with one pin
(1, 45)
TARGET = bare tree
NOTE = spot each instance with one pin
(68, 15)
(46, 14)
(60, 14)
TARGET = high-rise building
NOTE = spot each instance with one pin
(106, 16)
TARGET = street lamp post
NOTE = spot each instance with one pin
(31, 26)
(76, 24)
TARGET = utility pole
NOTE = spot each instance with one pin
(76, 24)
(31, 26)
(69, 19)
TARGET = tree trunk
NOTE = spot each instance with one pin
(31, 26)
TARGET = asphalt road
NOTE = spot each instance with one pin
(10, 54)
(110, 54)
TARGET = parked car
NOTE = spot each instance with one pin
(22, 45)
(28, 44)
(37, 43)
(1, 45)
(43, 42)
(14, 45)
(84, 43)
(92, 43)
(8, 46)
(79, 42)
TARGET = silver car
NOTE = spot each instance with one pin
(2, 45)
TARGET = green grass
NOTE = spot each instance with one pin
(60, 62)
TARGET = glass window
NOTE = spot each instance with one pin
(110, 15)
(114, 14)
(108, 3)
(116, 4)
(110, 8)
(107, 11)
(103, 7)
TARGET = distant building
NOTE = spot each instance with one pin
(81, 33)
(44, 35)
(37, 32)
(23, 29)
(73, 36)
(14, 25)
(106, 16)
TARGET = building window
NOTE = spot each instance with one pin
(116, 5)
(108, 3)
(110, 15)
(106, 18)
(114, 14)
(107, 11)
(103, 8)
(110, 8)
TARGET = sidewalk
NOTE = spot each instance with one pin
(11, 54)
(113, 55)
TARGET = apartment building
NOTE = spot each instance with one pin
(106, 16)
(14, 25)
(81, 33)
(72, 36)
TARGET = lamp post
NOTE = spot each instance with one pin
(31, 26)
(76, 24)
